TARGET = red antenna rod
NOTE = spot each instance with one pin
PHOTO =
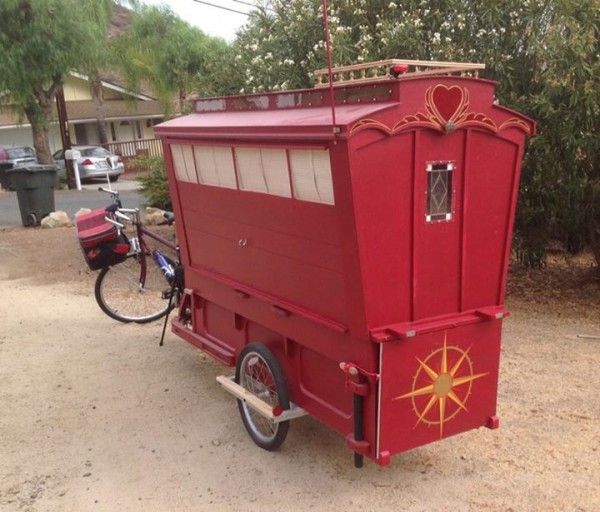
(330, 73)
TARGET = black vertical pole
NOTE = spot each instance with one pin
(358, 428)
(65, 135)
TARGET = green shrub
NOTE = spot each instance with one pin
(155, 188)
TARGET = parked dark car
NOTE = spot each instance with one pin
(18, 155)
(14, 157)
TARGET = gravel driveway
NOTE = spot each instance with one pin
(95, 416)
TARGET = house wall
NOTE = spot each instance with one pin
(21, 136)
(76, 89)
(124, 130)
(109, 94)
(147, 131)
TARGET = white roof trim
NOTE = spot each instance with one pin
(114, 87)
(116, 118)
(90, 120)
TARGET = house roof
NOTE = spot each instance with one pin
(85, 111)
(113, 109)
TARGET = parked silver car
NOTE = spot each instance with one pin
(95, 162)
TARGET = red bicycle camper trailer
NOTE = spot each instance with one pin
(366, 262)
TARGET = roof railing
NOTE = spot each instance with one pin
(382, 70)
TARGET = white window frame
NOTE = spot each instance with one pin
(431, 167)
(199, 163)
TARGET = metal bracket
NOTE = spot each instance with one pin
(260, 406)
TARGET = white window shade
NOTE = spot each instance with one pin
(249, 165)
(183, 161)
(275, 169)
(263, 170)
(205, 164)
(323, 179)
(215, 166)
(311, 175)
(225, 168)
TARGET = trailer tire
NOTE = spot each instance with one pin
(258, 371)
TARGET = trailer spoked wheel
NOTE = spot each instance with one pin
(258, 371)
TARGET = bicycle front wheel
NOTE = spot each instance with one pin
(121, 295)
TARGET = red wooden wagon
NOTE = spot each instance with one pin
(354, 272)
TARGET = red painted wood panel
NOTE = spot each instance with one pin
(302, 219)
(437, 244)
(492, 164)
(315, 288)
(406, 393)
(299, 249)
(381, 181)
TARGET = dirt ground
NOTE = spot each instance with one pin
(95, 416)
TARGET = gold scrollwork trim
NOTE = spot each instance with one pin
(435, 120)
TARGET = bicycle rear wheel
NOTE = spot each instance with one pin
(121, 296)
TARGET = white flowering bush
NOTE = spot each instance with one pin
(283, 40)
(543, 53)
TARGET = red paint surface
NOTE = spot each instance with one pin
(319, 284)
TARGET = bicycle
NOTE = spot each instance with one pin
(133, 290)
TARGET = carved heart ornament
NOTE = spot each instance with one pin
(446, 104)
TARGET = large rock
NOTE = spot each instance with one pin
(57, 219)
(81, 211)
(154, 216)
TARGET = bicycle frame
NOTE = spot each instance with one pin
(145, 251)
(141, 232)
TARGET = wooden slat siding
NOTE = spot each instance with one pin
(132, 148)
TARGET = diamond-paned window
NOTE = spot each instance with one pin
(439, 191)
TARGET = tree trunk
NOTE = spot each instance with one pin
(39, 128)
(182, 96)
(98, 100)
(594, 228)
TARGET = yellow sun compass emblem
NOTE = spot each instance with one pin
(442, 384)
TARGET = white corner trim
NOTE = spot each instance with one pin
(114, 87)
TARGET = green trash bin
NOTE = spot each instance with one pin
(34, 185)
(4, 181)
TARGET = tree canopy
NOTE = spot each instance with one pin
(173, 57)
(40, 42)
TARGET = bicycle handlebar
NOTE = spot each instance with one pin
(121, 215)
(114, 222)
(108, 191)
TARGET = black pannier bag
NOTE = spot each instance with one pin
(100, 241)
